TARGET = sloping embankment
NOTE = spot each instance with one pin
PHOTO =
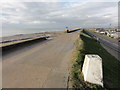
(111, 65)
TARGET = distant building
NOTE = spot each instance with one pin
(100, 30)
(113, 34)
(117, 30)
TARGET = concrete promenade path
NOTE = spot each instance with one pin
(41, 65)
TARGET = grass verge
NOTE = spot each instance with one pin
(111, 66)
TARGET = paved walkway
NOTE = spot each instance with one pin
(43, 65)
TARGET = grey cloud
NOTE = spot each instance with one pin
(60, 14)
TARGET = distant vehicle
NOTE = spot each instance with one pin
(118, 39)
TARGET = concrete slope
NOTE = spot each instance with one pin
(43, 65)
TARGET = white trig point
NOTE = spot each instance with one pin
(92, 69)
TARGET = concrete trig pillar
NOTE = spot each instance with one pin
(92, 69)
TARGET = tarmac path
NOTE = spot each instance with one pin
(42, 65)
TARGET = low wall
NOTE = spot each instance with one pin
(21, 44)
(69, 31)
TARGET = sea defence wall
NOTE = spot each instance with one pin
(92, 69)
(73, 30)
(21, 43)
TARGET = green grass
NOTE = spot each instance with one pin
(111, 66)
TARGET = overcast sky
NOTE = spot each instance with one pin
(58, 15)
